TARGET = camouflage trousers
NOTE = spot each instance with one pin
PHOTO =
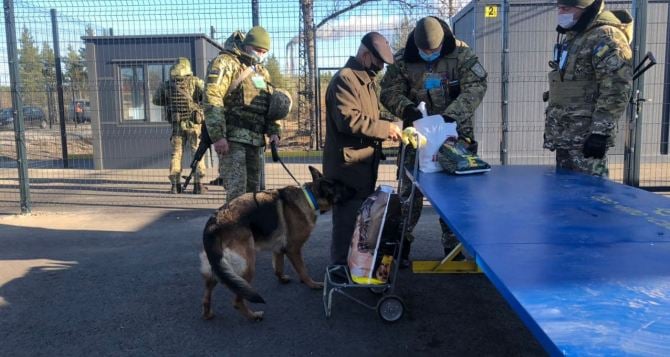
(240, 170)
(449, 240)
(179, 139)
(574, 160)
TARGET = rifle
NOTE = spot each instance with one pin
(205, 143)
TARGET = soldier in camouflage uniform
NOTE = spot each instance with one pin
(182, 95)
(442, 71)
(238, 95)
(589, 84)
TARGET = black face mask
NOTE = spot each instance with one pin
(374, 69)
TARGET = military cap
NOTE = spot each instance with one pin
(378, 46)
(428, 33)
(576, 3)
(257, 37)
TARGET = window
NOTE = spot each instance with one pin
(138, 90)
(133, 97)
(158, 73)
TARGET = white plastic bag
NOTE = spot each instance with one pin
(436, 132)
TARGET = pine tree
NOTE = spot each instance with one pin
(273, 68)
(31, 71)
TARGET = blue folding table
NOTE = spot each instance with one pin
(584, 261)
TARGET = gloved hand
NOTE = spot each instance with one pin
(595, 146)
(410, 114)
(469, 144)
(448, 119)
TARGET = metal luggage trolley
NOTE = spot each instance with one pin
(389, 307)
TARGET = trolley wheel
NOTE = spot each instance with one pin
(379, 290)
(390, 308)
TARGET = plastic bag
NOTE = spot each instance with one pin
(377, 227)
(436, 131)
(454, 158)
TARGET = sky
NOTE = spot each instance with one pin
(335, 41)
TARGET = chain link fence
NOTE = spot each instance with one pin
(88, 69)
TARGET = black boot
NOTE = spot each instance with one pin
(175, 189)
(199, 189)
(404, 259)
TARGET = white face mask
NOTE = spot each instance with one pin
(566, 21)
(259, 57)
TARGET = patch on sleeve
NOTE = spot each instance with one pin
(600, 50)
(478, 70)
(213, 75)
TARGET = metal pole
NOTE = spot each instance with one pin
(504, 90)
(19, 128)
(632, 151)
(255, 13)
(212, 32)
(59, 87)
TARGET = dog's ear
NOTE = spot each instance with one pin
(315, 173)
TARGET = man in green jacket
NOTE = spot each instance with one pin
(442, 71)
(237, 100)
(181, 95)
(589, 84)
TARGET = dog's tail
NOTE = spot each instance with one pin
(224, 271)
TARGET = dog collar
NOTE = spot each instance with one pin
(310, 199)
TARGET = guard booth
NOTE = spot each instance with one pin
(129, 132)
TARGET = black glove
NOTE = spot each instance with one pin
(469, 144)
(410, 114)
(595, 146)
(448, 119)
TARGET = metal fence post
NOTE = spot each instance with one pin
(59, 88)
(504, 81)
(19, 127)
(633, 140)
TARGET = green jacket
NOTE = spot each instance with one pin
(405, 82)
(590, 93)
(238, 114)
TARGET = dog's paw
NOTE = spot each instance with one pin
(208, 316)
(256, 316)
(284, 279)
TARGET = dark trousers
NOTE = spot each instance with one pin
(344, 221)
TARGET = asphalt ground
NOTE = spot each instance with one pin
(124, 281)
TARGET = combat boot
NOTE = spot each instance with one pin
(175, 189)
(199, 189)
(406, 247)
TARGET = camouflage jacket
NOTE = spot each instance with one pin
(590, 82)
(195, 87)
(411, 80)
(238, 114)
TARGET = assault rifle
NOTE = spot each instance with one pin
(205, 143)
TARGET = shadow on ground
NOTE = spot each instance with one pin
(104, 292)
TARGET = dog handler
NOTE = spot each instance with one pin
(354, 133)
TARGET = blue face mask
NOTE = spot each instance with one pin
(429, 57)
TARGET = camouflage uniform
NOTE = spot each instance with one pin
(405, 85)
(186, 122)
(238, 115)
(590, 90)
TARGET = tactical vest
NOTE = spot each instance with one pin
(569, 91)
(180, 101)
(435, 95)
(246, 106)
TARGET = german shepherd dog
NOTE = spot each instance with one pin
(277, 220)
